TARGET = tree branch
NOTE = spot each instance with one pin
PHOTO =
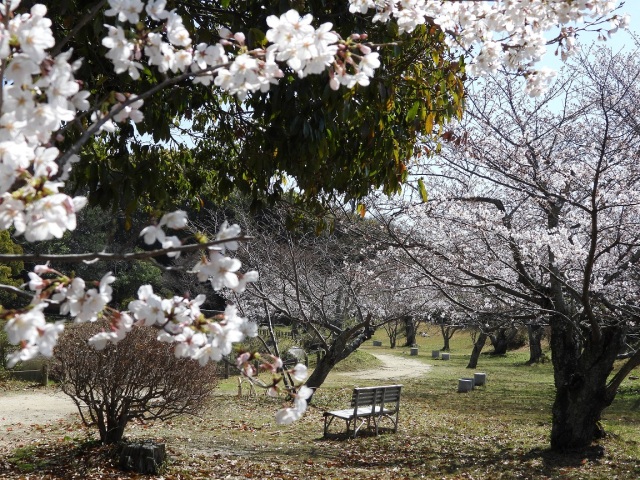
(112, 257)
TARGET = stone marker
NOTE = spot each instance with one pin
(479, 378)
(144, 457)
(435, 353)
(465, 385)
(414, 351)
(377, 343)
(445, 356)
(471, 380)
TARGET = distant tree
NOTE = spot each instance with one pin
(393, 330)
(505, 338)
(479, 338)
(10, 272)
(137, 379)
(535, 334)
(410, 329)
(330, 284)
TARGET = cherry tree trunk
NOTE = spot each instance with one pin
(322, 370)
(535, 333)
(445, 338)
(582, 363)
(342, 346)
(410, 331)
(447, 334)
(477, 349)
(501, 340)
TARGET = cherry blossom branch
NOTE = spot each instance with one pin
(16, 290)
(112, 257)
(90, 132)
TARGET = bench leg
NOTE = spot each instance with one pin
(328, 419)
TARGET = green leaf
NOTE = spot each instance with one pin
(411, 114)
(257, 38)
(423, 190)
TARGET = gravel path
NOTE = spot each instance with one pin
(394, 367)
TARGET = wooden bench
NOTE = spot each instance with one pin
(368, 404)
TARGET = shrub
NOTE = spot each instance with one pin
(139, 378)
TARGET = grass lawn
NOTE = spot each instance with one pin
(497, 431)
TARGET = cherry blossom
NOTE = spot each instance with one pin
(125, 10)
(287, 416)
(219, 270)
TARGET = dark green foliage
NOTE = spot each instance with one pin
(328, 142)
(11, 272)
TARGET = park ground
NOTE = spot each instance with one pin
(499, 431)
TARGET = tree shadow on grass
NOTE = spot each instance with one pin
(567, 459)
(67, 459)
(436, 454)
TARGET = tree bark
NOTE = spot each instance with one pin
(477, 348)
(343, 345)
(322, 369)
(410, 331)
(582, 363)
(501, 340)
(115, 429)
(535, 333)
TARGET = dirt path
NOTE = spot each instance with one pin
(20, 412)
(394, 367)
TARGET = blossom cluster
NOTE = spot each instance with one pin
(273, 364)
(27, 327)
(229, 64)
(509, 33)
(222, 271)
(179, 319)
(39, 94)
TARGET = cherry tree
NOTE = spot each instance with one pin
(48, 115)
(534, 206)
(330, 285)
